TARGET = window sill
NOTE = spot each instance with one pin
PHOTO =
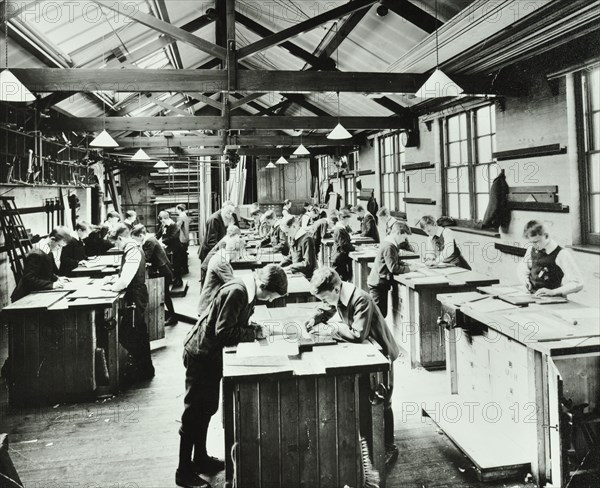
(587, 248)
(480, 232)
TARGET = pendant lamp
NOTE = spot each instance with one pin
(301, 151)
(160, 165)
(339, 131)
(140, 155)
(282, 160)
(439, 84)
(270, 165)
(104, 139)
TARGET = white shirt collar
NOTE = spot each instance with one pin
(250, 284)
(346, 292)
(552, 245)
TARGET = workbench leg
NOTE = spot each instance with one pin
(113, 357)
(412, 328)
(538, 387)
(228, 427)
(451, 357)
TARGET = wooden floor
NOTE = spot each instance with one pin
(131, 441)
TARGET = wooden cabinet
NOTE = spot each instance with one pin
(290, 181)
(155, 313)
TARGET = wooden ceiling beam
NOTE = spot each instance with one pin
(270, 139)
(217, 123)
(293, 49)
(307, 25)
(415, 15)
(249, 81)
(132, 12)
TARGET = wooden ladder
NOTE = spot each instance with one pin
(17, 240)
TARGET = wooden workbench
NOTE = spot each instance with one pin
(415, 310)
(295, 419)
(327, 247)
(110, 264)
(516, 366)
(363, 256)
(53, 337)
(257, 258)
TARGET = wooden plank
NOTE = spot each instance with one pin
(210, 81)
(415, 15)
(535, 151)
(533, 197)
(262, 138)
(308, 432)
(534, 189)
(296, 29)
(249, 448)
(508, 249)
(539, 207)
(270, 450)
(239, 122)
(414, 166)
(132, 12)
(290, 422)
(420, 201)
(349, 455)
(328, 447)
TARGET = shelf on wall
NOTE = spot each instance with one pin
(539, 207)
(413, 166)
(527, 152)
(420, 201)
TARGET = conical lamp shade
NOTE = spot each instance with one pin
(439, 85)
(270, 166)
(12, 90)
(140, 155)
(339, 132)
(301, 151)
(160, 165)
(104, 140)
(281, 160)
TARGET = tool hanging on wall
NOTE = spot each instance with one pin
(47, 210)
(30, 167)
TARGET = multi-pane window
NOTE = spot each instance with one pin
(350, 190)
(469, 141)
(391, 162)
(591, 123)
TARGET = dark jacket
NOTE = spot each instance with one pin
(373, 207)
(136, 292)
(302, 256)
(215, 231)
(368, 227)
(497, 213)
(319, 230)
(170, 236)
(39, 272)
(71, 255)
(340, 259)
(95, 244)
(279, 240)
(225, 323)
(387, 264)
(156, 257)
(363, 318)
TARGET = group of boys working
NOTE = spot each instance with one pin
(47, 266)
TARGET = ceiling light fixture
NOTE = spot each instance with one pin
(11, 89)
(140, 155)
(160, 165)
(104, 139)
(270, 165)
(301, 149)
(438, 85)
(282, 160)
(339, 131)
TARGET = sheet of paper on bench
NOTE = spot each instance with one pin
(269, 347)
(547, 327)
(489, 306)
(93, 291)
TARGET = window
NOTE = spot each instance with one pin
(590, 84)
(391, 162)
(350, 190)
(469, 141)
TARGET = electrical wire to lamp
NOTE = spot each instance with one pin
(301, 149)
(439, 84)
(339, 131)
(11, 89)
(104, 139)
(160, 165)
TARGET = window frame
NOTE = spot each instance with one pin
(397, 157)
(472, 164)
(584, 117)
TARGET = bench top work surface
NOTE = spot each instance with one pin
(78, 292)
(368, 254)
(555, 329)
(279, 355)
(448, 276)
(354, 239)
